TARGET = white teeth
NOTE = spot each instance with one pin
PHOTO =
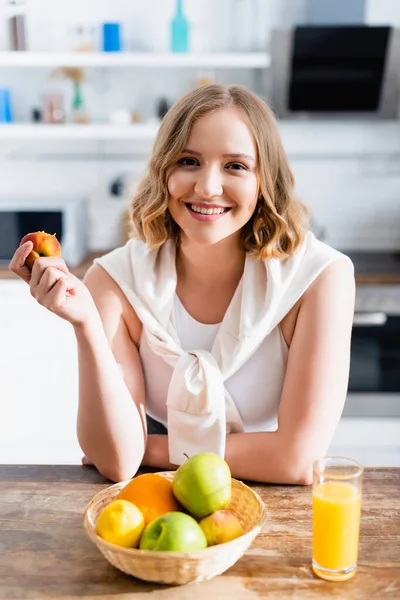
(208, 211)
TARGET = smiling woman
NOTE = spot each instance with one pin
(218, 142)
(223, 322)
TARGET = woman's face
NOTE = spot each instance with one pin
(213, 186)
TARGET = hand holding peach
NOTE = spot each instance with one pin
(32, 247)
(50, 281)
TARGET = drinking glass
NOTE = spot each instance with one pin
(336, 507)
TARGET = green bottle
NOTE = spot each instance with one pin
(79, 114)
(179, 30)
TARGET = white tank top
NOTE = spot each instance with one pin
(255, 388)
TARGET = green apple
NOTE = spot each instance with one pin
(220, 527)
(203, 484)
(175, 531)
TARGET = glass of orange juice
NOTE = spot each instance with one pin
(336, 507)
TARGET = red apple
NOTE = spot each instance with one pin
(44, 244)
(220, 527)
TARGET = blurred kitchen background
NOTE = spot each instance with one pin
(83, 88)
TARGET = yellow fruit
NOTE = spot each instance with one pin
(121, 523)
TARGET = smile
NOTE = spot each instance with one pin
(201, 213)
(207, 211)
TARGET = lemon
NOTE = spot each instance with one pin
(121, 523)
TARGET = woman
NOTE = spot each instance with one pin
(223, 319)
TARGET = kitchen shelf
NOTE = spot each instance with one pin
(138, 131)
(248, 60)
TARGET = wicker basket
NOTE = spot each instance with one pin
(180, 567)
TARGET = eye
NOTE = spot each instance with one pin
(187, 161)
(237, 167)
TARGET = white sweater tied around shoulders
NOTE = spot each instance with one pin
(200, 411)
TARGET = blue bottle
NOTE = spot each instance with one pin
(112, 37)
(179, 30)
(5, 106)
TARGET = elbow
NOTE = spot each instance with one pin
(297, 458)
(118, 471)
(304, 476)
(116, 474)
(298, 476)
(114, 465)
(114, 469)
(299, 471)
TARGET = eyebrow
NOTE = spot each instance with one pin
(228, 155)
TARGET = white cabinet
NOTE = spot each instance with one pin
(38, 381)
(373, 441)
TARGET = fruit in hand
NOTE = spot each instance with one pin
(44, 244)
(203, 484)
(174, 531)
(120, 523)
(152, 494)
(220, 527)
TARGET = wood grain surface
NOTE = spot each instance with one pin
(44, 553)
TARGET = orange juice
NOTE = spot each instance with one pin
(336, 524)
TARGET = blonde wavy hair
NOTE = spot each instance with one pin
(279, 222)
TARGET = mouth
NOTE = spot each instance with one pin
(207, 213)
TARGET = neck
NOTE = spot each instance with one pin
(221, 263)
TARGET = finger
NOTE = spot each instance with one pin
(43, 263)
(47, 281)
(57, 298)
(62, 289)
(17, 263)
(86, 460)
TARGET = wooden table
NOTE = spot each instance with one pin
(44, 552)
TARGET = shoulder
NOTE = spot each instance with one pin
(324, 269)
(111, 301)
(333, 291)
(337, 276)
(108, 280)
(102, 286)
(121, 258)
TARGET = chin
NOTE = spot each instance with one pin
(206, 239)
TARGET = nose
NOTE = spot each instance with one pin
(209, 182)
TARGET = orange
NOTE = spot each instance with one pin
(120, 523)
(152, 494)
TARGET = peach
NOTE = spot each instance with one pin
(44, 244)
(220, 527)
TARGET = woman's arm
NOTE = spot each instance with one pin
(157, 453)
(111, 416)
(314, 390)
(313, 394)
